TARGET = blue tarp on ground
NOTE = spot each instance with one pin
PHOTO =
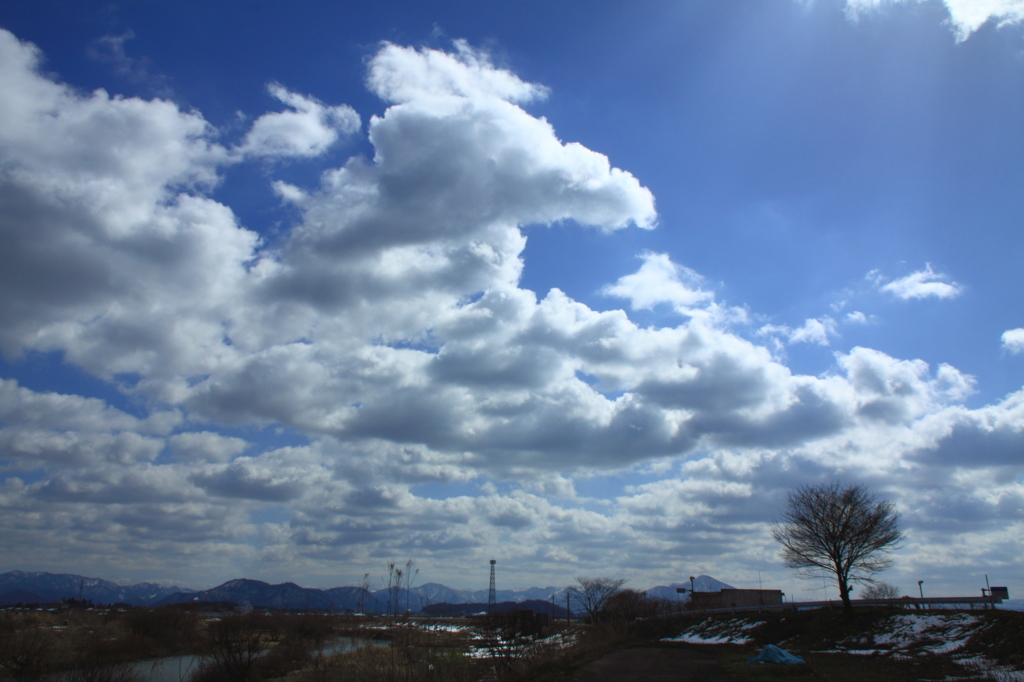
(773, 654)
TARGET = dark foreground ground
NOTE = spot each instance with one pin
(678, 662)
(881, 645)
(660, 662)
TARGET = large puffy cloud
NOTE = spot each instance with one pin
(110, 252)
(966, 16)
(445, 410)
(52, 430)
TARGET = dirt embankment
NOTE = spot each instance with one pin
(883, 644)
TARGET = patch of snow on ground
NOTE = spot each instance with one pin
(711, 631)
(701, 639)
(560, 640)
(902, 635)
(443, 627)
(491, 648)
(906, 631)
(947, 647)
(990, 670)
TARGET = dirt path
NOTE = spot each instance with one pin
(662, 662)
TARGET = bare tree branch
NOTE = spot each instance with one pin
(590, 594)
(845, 531)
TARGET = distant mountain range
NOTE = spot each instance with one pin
(51, 587)
(535, 605)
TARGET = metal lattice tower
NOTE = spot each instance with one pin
(490, 591)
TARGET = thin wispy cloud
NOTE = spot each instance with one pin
(110, 49)
(813, 330)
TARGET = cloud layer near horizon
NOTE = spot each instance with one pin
(388, 328)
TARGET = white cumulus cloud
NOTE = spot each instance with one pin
(400, 74)
(921, 284)
(965, 16)
(856, 317)
(309, 129)
(1013, 340)
(659, 280)
(387, 333)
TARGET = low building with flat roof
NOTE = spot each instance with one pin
(732, 599)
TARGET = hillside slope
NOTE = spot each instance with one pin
(957, 644)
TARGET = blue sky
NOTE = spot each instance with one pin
(289, 291)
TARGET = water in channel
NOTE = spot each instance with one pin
(178, 668)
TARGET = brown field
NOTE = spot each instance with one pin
(96, 645)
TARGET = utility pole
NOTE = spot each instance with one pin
(491, 596)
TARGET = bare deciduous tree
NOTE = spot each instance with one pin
(590, 594)
(881, 590)
(845, 530)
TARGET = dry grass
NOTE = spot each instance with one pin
(493, 651)
(991, 648)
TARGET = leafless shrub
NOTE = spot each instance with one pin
(626, 606)
(27, 653)
(397, 581)
(93, 669)
(413, 656)
(162, 631)
(236, 643)
(590, 594)
(507, 636)
(364, 591)
(881, 590)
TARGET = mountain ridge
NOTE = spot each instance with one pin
(53, 587)
(288, 595)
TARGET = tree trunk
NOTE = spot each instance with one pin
(844, 594)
